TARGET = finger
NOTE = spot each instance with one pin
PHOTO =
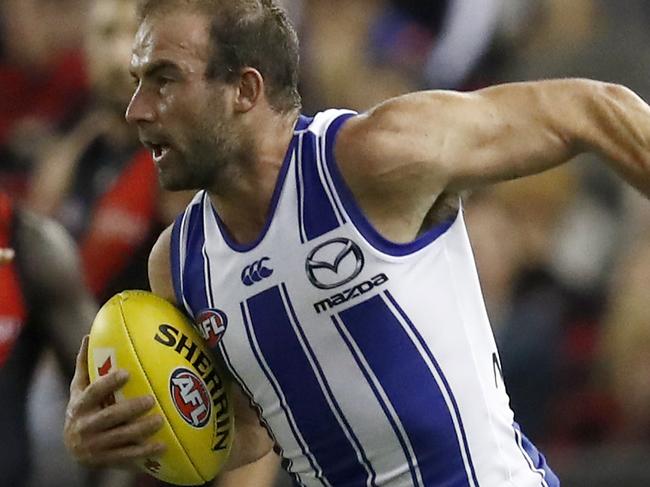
(80, 380)
(116, 414)
(125, 454)
(135, 432)
(99, 391)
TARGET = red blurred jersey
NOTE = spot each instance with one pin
(13, 312)
(121, 222)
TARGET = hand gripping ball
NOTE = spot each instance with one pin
(167, 358)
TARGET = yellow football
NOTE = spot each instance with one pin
(167, 358)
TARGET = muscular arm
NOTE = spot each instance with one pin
(251, 459)
(48, 260)
(411, 149)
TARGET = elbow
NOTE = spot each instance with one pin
(624, 134)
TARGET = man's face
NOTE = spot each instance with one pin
(185, 119)
(111, 27)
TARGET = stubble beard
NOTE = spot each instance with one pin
(213, 160)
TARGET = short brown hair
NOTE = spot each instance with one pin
(246, 33)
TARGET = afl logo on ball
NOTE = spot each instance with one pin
(190, 396)
(212, 325)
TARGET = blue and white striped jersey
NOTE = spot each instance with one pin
(371, 363)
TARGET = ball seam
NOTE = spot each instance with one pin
(144, 372)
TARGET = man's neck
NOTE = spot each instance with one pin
(245, 207)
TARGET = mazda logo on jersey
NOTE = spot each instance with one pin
(334, 263)
(256, 272)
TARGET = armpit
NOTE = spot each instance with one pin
(445, 207)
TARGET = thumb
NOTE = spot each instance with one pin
(81, 379)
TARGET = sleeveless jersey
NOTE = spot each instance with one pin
(371, 363)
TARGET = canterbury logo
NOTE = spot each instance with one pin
(256, 272)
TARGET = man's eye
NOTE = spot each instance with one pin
(164, 80)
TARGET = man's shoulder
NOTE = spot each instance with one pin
(322, 122)
(160, 272)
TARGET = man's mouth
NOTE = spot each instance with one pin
(159, 151)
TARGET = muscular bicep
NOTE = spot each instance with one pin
(504, 133)
(429, 142)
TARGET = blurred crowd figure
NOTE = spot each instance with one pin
(94, 176)
(36, 312)
(42, 80)
(82, 165)
(563, 257)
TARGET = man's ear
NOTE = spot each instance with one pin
(250, 89)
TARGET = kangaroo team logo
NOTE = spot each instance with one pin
(212, 324)
(190, 396)
(256, 272)
(334, 263)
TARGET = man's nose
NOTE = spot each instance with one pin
(140, 109)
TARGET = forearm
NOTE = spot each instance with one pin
(619, 129)
(525, 128)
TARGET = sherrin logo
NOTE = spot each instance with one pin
(190, 396)
(169, 336)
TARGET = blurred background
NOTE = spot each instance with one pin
(564, 257)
